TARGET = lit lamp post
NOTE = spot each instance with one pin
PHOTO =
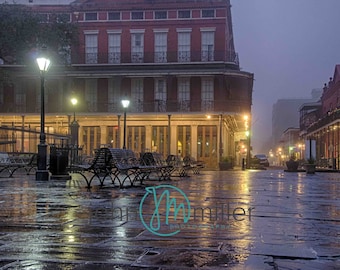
(42, 172)
(247, 128)
(74, 133)
(74, 124)
(125, 104)
(74, 102)
(248, 149)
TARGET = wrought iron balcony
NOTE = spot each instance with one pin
(155, 106)
(116, 58)
(168, 106)
(325, 121)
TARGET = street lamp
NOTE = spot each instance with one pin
(248, 149)
(74, 132)
(74, 102)
(74, 124)
(42, 172)
(125, 104)
(247, 128)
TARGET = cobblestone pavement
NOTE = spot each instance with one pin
(238, 220)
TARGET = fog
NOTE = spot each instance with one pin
(291, 46)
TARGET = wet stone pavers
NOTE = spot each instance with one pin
(260, 220)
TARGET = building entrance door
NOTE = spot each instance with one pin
(207, 145)
(183, 141)
(136, 139)
(160, 140)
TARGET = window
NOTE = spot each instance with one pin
(184, 94)
(113, 136)
(137, 15)
(160, 95)
(137, 46)
(114, 16)
(159, 15)
(160, 140)
(138, 40)
(184, 46)
(207, 143)
(91, 138)
(184, 140)
(114, 39)
(184, 14)
(161, 47)
(207, 94)
(90, 16)
(136, 137)
(137, 94)
(207, 42)
(208, 13)
(91, 47)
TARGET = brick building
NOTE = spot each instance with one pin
(176, 63)
(325, 129)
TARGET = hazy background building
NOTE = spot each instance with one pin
(286, 114)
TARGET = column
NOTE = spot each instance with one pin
(194, 141)
(103, 135)
(173, 137)
(148, 136)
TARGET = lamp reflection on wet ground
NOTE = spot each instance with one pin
(238, 219)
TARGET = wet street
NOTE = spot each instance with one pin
(265, 219)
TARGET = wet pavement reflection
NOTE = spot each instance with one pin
(238, 220)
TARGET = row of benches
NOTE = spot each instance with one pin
(121, 165)
(11, 163)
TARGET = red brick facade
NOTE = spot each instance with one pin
(167, 58)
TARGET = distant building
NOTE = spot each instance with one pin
(174, 60)
(285, 114)
(290, 144)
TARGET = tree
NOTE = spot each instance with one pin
(23, 33)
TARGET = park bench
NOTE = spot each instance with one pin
(12, 162)
(100, 167)
(179, 167)
(125, 166)
(30, 163)
(193, 165)
(156, 163)
(119, 165)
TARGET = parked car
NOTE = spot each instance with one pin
(263, 159)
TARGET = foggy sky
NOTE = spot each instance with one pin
(291, 46)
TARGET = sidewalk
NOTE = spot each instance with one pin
(238, 220)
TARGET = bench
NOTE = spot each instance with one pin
(119, 165)
(15, 161)
(157, 164)
(179, 166)
(100, 167)
(193, 165)
(125, 166)
(30, 163)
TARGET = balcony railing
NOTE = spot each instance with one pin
(325, 121)
(161, 106)
(155, 106)
(155, 57)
